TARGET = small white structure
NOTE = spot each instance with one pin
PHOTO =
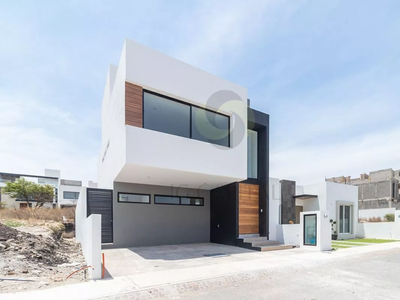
(317, 230)
(338, 201)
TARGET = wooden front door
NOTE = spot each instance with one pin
(248, 208)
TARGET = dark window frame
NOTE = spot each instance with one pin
(190, 112)
(180, 200)
(258, 155)
(316, 229)
(70, 192)
(138, 194)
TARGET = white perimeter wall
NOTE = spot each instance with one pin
(380, 230)
(378, 212)
(289, 234)
(88, 234)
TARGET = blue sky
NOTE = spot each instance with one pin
(327, 72)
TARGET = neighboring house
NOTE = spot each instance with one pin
(288, 200)
(378, 190)
(50, 177)
(66, 192)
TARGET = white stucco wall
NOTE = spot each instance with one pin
(274, 208)
(133, 151)
(289, 234)
(323, 241)
(329, 197)
(342, 194)
(378, 212)
(88, 234)
(67, 188)
(91, 245)
(112, 156)
(379, 230)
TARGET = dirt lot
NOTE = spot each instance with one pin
(34, 257)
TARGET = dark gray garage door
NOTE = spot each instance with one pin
(99, 201)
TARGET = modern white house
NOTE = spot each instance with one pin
(185, 159)
(66, 192)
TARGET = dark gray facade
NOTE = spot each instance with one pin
(139, 224)
(288, 205)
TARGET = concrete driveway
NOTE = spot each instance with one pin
(129, 261)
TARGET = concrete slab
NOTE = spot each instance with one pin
(130, 261)
(164, 270)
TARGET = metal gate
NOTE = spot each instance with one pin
(100, 201)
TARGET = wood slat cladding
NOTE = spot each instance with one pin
(133, 105)
(248, 208)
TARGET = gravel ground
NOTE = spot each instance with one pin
(34, 257)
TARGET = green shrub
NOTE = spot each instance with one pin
(389, 217)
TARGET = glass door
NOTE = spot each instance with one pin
(345, 218)
(310, 230)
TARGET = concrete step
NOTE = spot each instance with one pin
(264, 243)
(255, 239)
(244, 236)
(273, 247)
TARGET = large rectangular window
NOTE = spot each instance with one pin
(71, 195)
(178, 200)
(252, 154)
(164, 115)
(133, 198)
(345, 218)
(211, 127)
(171, 116)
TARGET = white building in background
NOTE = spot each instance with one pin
(66, 192)
(288, 201)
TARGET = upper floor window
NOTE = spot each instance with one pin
(209, 126)
(252, 154)
(182, 119)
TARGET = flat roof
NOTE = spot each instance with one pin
(305, 196)
(25, 175)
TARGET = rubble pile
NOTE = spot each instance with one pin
(43, 258)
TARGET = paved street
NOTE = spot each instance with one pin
(370, 276)
(363, 272)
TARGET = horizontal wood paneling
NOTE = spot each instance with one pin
(248, 208)
(133, 105)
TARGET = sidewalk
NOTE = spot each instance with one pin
(244, 266)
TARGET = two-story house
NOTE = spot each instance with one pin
(183, 158)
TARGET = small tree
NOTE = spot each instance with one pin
(43, 194)
(28, 191)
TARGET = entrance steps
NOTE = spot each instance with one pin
(261, 243)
